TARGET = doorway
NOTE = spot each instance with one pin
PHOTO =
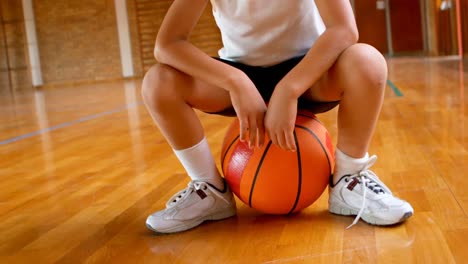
(407, 27)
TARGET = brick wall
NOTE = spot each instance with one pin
(134, 35)
(14, 73)
(4, 75)
(150, 15)
(78, 40)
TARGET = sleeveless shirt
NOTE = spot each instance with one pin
(266, 32)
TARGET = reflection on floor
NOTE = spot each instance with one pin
(83, 166)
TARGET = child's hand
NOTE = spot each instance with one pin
(280, 119)
(250, 109)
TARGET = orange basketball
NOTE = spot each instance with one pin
(276, 181)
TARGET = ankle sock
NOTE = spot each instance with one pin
(345, 164)
(199, 164)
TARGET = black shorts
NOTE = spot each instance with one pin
(266, 79)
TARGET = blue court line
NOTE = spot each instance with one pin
(67, 124)
(394, 88)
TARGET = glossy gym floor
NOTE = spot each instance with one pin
(82, 166)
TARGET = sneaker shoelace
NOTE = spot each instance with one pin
(192, 186)
(369, 181)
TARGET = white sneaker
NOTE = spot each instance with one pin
(199, 202)
(364, 195)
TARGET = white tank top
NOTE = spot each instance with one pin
(266, 32)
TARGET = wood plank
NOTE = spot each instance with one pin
(81, 193)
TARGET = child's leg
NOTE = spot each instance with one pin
(358, 79)
(170, 97)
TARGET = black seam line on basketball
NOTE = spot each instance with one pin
(318, 121)
(311, 117)
(227, 150)
(304, 115)
(299, 166)
(321, 145)
(258, 170)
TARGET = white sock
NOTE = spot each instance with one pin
(345, 164)
(199, 164)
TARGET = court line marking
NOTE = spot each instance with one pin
(119, 109)
(68, 124)
(394, 88)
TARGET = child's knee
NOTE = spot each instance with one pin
(156, 87)
(367, 64)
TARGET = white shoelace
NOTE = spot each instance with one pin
(368, 179)
(192, 186)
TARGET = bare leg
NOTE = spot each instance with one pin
(170, 95)
(357, 79)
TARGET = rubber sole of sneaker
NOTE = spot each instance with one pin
(194, 222)
(338, 210)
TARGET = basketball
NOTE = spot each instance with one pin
(276, 181)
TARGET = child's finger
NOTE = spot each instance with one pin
(289, 141)
(243, 130)
(261, 132)
(252, 134)
(282, 141)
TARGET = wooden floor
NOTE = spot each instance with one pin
(81, 168)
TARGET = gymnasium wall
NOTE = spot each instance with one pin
(14, 73)
(464, 26)
(77, 40)
(371, 24)
(150, 15)
(134, 37)
(4, 71)
(407, 35)
(444, 28)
